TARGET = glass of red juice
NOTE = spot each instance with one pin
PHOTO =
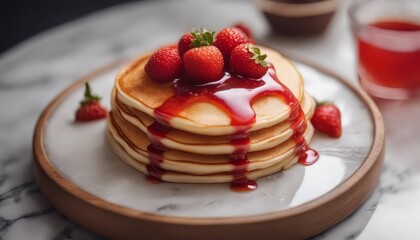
(387, 36)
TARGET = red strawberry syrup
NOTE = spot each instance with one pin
(154, 170)
(234, 95)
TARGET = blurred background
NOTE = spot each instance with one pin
(20, 20)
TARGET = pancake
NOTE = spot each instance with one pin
(135, 143)
(136, 90)
(184, 141)
(233, 130)
(180, 177)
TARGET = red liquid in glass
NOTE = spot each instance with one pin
(387, 67)
(234, 95)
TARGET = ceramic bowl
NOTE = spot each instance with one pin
(298, 17)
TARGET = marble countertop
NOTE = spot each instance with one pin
(33, 72)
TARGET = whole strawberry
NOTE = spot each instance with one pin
(247, 61)
(184, 43)
(203, 64)
(228, 39)
(198, 37)
(90, 108)
(164, 65)
(244, 29)
(327, 119)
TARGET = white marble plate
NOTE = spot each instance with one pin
(81, 154)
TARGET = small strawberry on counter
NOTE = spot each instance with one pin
(327, 119)
(90, 107)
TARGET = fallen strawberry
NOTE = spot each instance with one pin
(90, 108)
(327, 119)
(164, 65)
(247, 61)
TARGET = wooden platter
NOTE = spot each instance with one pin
(95, 199)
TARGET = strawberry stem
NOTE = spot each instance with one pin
(257, 56)
(88, 96)
(318, 104)
(202, 37)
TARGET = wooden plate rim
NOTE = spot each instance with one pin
(42, 159)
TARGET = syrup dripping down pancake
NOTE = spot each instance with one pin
(135, 144)
(136, 90)
(189, 142)
(234, 129)
(181, 177)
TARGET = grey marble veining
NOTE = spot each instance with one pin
(33, 72)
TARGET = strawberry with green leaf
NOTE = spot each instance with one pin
(247, 61)
(203, 63)
(90, 107)
(202, 37)
(198, 37)
(227, 39)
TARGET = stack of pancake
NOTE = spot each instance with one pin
(196, 145)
